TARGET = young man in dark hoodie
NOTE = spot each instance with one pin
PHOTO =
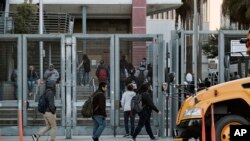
(99, 107)
(50, 114)
(145, 114)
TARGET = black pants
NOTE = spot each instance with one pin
(144, 119)
(128, 116)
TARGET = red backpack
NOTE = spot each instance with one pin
(102, 74)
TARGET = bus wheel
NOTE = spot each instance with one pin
(223, 126)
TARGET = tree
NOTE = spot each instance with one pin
(211, 47)
(24, 16)
(238, 11)
(185, 11)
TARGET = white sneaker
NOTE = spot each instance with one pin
(34, 137)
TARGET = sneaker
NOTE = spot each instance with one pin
(154, 139)
(126, 135)
(94, 139)
(34, 137)
(132, 139)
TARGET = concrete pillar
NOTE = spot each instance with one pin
(84, 27)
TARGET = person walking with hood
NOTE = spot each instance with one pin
(49, 115)
(145, 114)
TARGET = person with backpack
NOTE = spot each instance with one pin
(141, 77)
(126, 105)
(48, 109)
(145, 113)
(102, 72)
(99, 111)
(85, 65)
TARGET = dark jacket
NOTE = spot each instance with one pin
(32, 75)
(99, 103)
(86, 65)
(50, 95)
(148, 103)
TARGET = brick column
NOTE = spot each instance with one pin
(138, 27)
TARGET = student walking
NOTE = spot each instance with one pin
(145, 114)
(85, 69)
(99, 115)
(125, 102)
(49, 115)
(102, 72)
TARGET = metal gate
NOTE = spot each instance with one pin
(182, 54)
(64, 52)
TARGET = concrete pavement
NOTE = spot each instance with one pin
(82, 138)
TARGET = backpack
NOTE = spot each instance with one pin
(102, 75)
(141, 77)
(43, 103)
(87, 108)
(136, 104)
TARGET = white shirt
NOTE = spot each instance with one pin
(126, 100)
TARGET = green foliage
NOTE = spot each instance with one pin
(238, 11)
(211, 48)
(24, 16)
(185, 10)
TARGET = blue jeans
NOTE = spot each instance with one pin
(99, 125)
(85, 79)
(127, 115)
(144, 120)
(31, 84)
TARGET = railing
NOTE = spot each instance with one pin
(6, 25)
(94, 85)
(53, 23)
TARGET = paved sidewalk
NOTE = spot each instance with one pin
(81, 138)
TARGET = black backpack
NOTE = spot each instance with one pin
(43, 103)
(87, 108)
(136, 104)
(141, 78)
